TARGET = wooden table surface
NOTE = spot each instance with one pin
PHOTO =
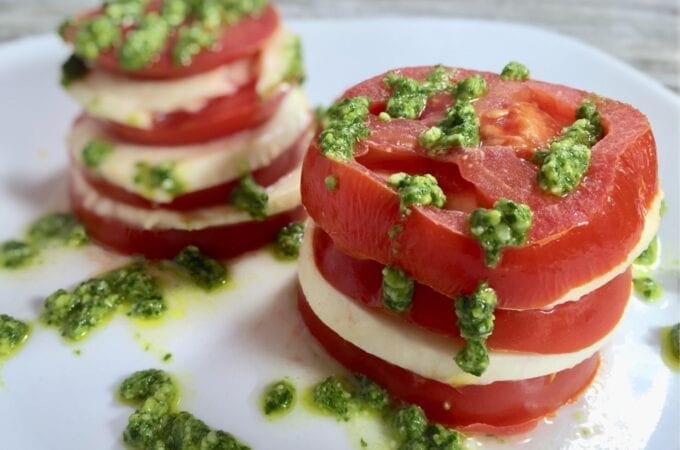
(644, 33)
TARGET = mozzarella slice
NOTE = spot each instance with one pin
(135, 102)
(198, 166)
(411, 347)
(284, 195)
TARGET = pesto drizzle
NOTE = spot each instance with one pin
(397, 289)
(343, 124)
(409, 97)
(158, 177)
(13, 333)
(565, 162)
(506, 224)
(475, 321)
(289, 239)
(643, 283)
(156, 424)
(278, 398)
(250, 197)
(418, 190)
(95, 152)
(515, 71)
(205, 272)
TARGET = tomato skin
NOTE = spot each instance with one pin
(590, 231)
(220, 117)
(241, 40)
(215, 195)
(503, 406)
(566, 328)
(220, 242)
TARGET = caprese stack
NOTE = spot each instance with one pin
(193, 128)
(471, 237)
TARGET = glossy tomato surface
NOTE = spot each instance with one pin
(566, 328)
(215, 195)
(243, 39)
(573, 239)
(221, 116)
(502, 407)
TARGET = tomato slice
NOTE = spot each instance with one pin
(219, 117)
(591, 231)
(240, 40)
(225, 241)
(211, 196)
(500, 407)
(566, 328)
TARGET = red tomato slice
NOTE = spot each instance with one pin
(221, 242)
(566, 328)
(211, 196)
(502, 407)
(573, 239)
(219, 117)
(241, 40)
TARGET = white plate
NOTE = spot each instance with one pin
(227, 347)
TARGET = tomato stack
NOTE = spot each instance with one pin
(194, 125)
(444, 259)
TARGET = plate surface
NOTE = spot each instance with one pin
(226, 347)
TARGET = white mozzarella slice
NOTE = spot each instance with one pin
(284, 195)
(198, 166)
(411, 347)
(275, 61)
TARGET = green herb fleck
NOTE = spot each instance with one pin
(344, 124)
(515, 71)
(278, 398)
(331, 182)
(475, 322)
(175, 12)
(675, 340)
(143, 45)
(125, 11)
(95, 152)
(289, 239)
(15, 254)
(205, 272)
(459, 128)
(418, 190)
(95, 36)
(13, 333)
(74, 68)
(191, 41)
(647, 287)
(650, 254)
(397, 289)
(167, 357)
(251, 197)
(334, 396)
(410, 422)
(470, 88)
(62, 228)
(567, 158)
(369, 394)
(160, 176)
(507, 224)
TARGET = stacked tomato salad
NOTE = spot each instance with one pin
(194, 125)
(471, 237)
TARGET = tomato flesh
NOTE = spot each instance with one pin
(221, 116)
(502, 407)
(215, 195)
(225, 241)
(566, 328)
(590, 231)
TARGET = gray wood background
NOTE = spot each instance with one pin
(644, 33)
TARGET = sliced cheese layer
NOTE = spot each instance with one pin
(411, 347)
(198, 166)
(135, 102)
(284, 195)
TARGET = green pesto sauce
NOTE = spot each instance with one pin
(158, 177)
(13, 333)
(125, 11)
(278, 398)
(409, 97)
(94, 36)
(565, 162)
(74, 68)
(344, 124)
(75, 314)
(295, 72)
(289, 239)
(408, 427)
(143, 45)
(205, 272)
(650, 254)
(470, 88)
(416, 190)
(157, 425)
(670, 346)
(331, 183)
(250, 197)
(397, 289)
(51, 229)
(647, 287)
(507, 224)
(95, 152)
(515, 71)
(191, 41)
(475, 314)
(459, 128)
